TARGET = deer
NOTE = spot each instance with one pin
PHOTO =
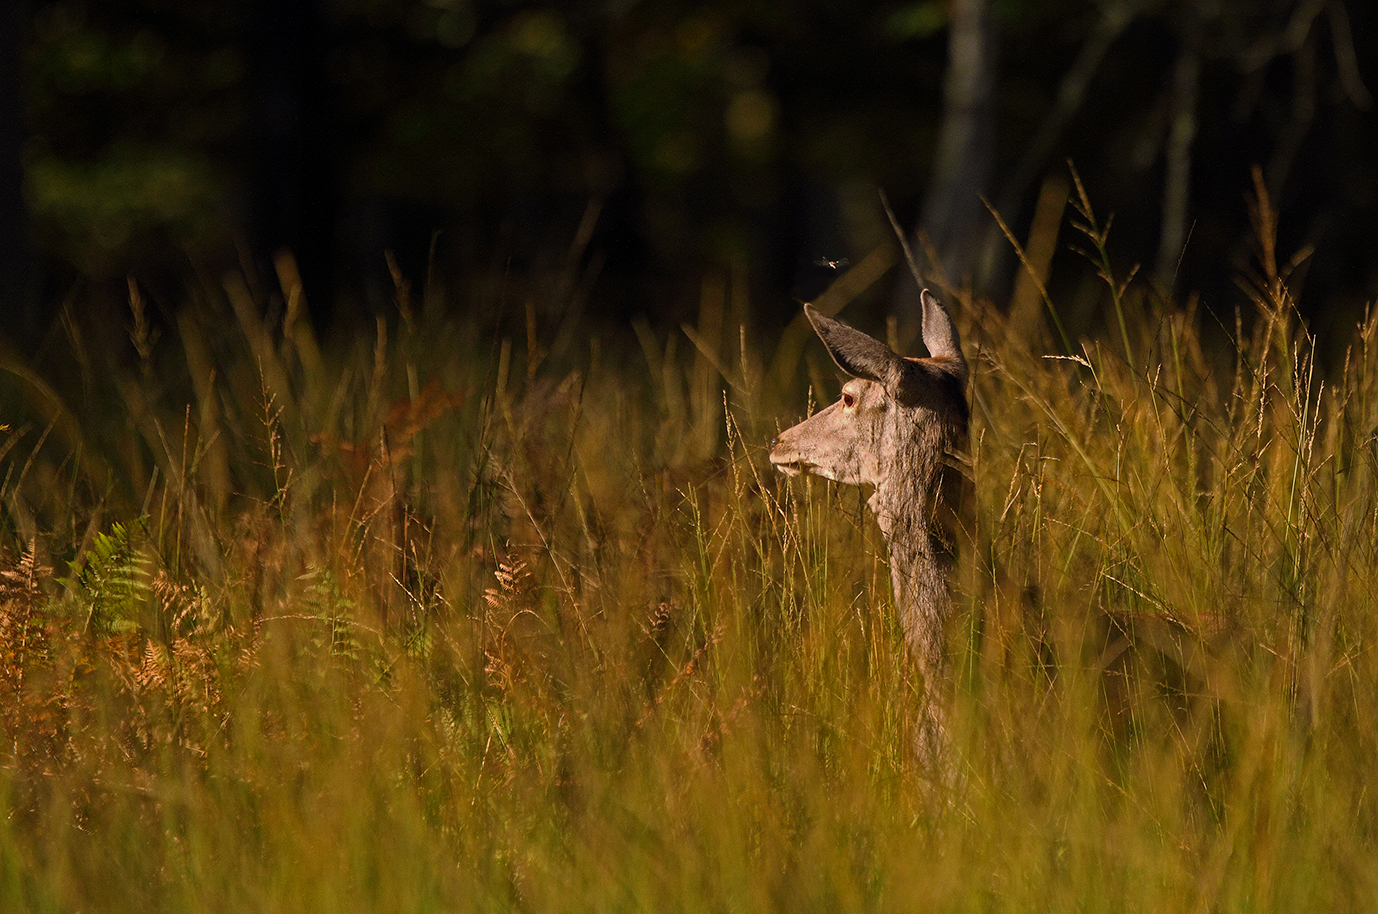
(897, 428)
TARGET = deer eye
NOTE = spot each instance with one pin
(848, 401)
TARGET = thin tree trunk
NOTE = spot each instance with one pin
(1181, 137)
(952, 211)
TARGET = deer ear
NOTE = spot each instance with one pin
(939, 334)
(856, 353)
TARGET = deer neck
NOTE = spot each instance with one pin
(902, 509)
(902, 513)
(906, 482)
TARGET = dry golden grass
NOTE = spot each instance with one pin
(433, 625)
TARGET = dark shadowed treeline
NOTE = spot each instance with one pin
(636, 147)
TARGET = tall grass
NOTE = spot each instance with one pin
(454, 621)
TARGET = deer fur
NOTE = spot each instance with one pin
(895, 428)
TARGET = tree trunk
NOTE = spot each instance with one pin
(953, 213)
(1177, 150)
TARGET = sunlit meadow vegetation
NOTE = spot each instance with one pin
(458, 621)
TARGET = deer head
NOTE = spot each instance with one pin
(895, 416)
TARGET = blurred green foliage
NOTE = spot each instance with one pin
(142, 115)
(132, 117)
(101, 211)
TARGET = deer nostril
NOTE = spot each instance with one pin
(772, 443)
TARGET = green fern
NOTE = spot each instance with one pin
(114, 583)
(325, 600)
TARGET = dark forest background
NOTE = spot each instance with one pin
(639, 146)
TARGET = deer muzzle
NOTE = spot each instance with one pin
(788, 458)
